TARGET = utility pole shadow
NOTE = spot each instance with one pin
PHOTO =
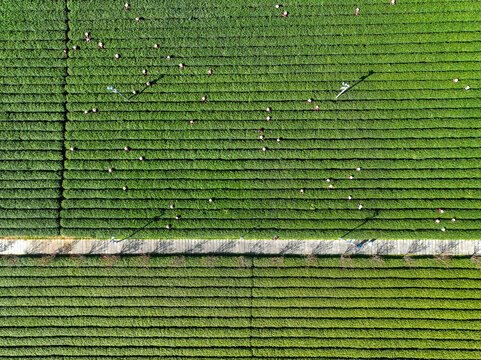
(376, 213)
(153, 82)
(155, 218)
(250, 231)
(361, 79)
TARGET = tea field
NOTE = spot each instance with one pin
(396, 155)
(33, 70)
(239, 308)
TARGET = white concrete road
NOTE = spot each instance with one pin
(240, 246)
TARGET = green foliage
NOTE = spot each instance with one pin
(32, 112)
(192, 306)
(411, 129)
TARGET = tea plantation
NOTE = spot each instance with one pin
(239, 308)
(398, 149)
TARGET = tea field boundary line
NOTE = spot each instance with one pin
(64, 122)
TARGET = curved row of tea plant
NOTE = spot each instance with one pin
(240, 307)
(411, 129)
(32, 116)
